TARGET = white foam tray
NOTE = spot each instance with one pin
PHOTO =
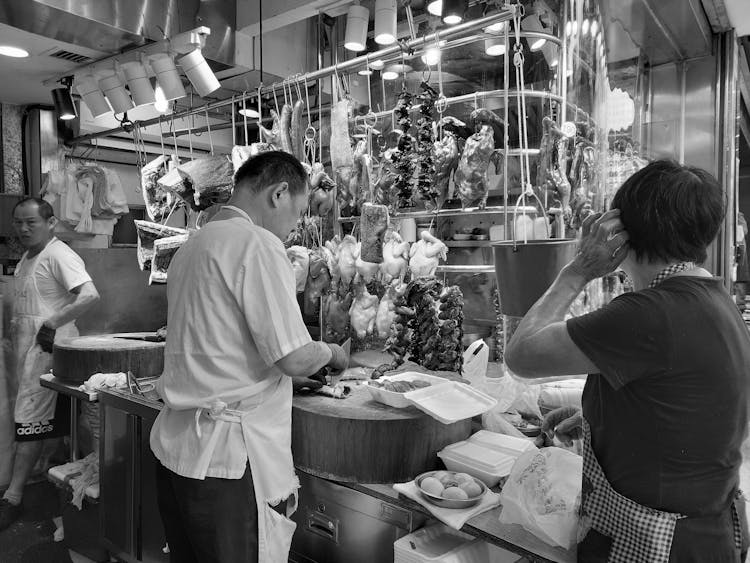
(451, 402)
(399, 400)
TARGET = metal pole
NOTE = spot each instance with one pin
(356, 62)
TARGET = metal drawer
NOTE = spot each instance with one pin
(338, 525)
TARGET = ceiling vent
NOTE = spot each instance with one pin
(72, 57)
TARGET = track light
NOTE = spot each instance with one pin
(498, 28)
(435, 7)
(453, 11)
(364, 72)
(248, 112)
(199, 73)
(88, 89)
(594, 28)
(585, 26)
(138, 83)
(390, 75)
(115, 91)
(377, 65)
(356, 28)
(385, 22)
(494, 46)
(64, 105)
(167, 76)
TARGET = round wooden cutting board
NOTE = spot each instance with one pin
(78, 358)
(360, 440)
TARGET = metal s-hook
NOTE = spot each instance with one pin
(244, 115)
(210, 138)
(234, 124)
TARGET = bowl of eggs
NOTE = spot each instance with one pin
(450, 489)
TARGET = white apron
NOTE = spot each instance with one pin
(265, 418)
(30, 310)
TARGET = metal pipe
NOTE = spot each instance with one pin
(351, 64)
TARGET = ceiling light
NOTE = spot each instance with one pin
(575, 28)
(498, 27)
(63, 100)
(553, 63)
(594, 28)
(168, 77)
(435, 7)
(431, 56)
(494, 46)
(568, 28)
(453, 11)
(377, 65)
(199, 73)
(15, 52)
(538, 44)
(88, 89)
(161, 104)
(138, 83)
(390, 75)
(356, 28)
(115, 91)
(385, 22)
(392, 72)
(364, 72)
(585, 26)
(601, 49)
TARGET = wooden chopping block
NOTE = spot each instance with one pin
(76, 359)
(360, 440)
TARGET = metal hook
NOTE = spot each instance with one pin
(244, 114)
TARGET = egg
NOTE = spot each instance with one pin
(440, 475)
(432, 486)
(455, 493)
(464, 478)
(472, 489)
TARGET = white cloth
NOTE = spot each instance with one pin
(453, 517)
(41, 287)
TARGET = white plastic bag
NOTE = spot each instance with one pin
(512, 394)
(543, 494)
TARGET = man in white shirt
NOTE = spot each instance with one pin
(236, 340)
(51, 289)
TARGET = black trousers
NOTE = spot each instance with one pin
(208, 521)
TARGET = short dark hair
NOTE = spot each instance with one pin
(671, 211)
(267, 168)
(45, 209)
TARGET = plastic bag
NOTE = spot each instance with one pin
(512, 394)
(543, 494)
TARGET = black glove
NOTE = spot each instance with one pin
(565, 423)
(300, 383)
(46, 338)
(339, 358)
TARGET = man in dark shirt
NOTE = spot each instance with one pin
(665, 408)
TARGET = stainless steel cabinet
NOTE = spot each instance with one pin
(130, 523)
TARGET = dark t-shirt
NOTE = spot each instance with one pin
(669, 411)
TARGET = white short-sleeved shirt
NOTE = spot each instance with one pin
(232, 314)
(58, 271)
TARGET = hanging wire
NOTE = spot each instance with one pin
(244, 114)
(174, 138)
(208, 128)
(190, 140)
(161, 138)
(234, 124)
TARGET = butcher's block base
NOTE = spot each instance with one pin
(76, 359)
(360, 440)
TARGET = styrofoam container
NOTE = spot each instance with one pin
(399, 400)
(440, 544)
(512, 445)
(485, 463)
(451, 402)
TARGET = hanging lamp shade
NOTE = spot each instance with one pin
(453, 11)
(356, 28)
(138, 83)
(494, 46)
(64, 105)
(88, 88)
(168, 77)
(115, 91)
(532, 23)
(199, 73)
(385, 22)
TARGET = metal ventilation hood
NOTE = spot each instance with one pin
(114, 26)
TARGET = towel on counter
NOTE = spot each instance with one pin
(453, 517)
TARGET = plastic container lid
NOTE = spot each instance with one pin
(483, 458)
(511, 445)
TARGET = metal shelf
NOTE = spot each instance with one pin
(468, 243)
(466, 269)
(489, 210)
